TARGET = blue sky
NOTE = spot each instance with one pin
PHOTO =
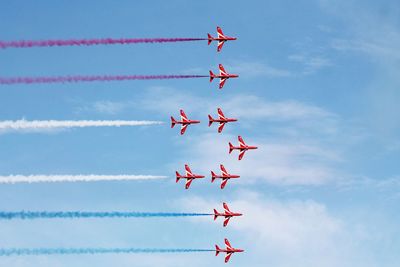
(318, 93)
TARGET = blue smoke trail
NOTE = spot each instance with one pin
(27, 215)
(66, 251)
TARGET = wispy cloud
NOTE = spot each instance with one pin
(383, 185)
(256, 69)
(304, 65)
(253, 107)
(102, 107)
(374, 37)
(290, 155)
(377, 48)
(108, 107)
(291, 232)
(310, 64)
(276, 161)
(241, 105)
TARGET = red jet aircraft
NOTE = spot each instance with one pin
(227, 214)
(225, 176)
(184, 122)
(223, 76)
(221, 120)
(221, 39)
(189, 176)
(229, 250)
(242, 147)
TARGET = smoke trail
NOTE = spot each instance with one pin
(28, 215)
(80, 78)
(65, 251)
(37, 125)
(89, 42)
(12, 179)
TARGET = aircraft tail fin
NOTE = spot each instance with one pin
(209, 38)
(215, 214)
(230, 147)
(217, 249)
(173, 122)
(213, 176)
(211, 76)
(178, 176)
(210, 120)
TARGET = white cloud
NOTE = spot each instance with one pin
(388, 187)
(102, 107)
(256, 69)
(242, 105)
(276, 161)
(108, 107)
(310, 64)
(375, 38)
(289, 156)
(252, 107)
(289, 232)
(168, 101)
(377, 48)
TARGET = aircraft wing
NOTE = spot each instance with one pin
(220, 45)
(183, 128)
(183, 116)
(241, 154)
(222, 70)
(188, 170)
(241, 141)
(228, 256)
(226, 221)
(224, 181)
(222, 82)
(226, 207)
(228, 245)
(221, 126)
(223, 170)
(188, 183)
(221, 115)
(220, 33)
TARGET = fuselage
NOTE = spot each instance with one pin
(233, 250)
(187, 122)
(241, 148)
(222, 39)
(229, 215)
(230, 176)
(191, 176)
(224, 120)
(225, 76)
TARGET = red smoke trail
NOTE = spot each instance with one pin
(87, 42)
(106, 78)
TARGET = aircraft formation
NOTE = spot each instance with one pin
(221, 120)
(242, 147)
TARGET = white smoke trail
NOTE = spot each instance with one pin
(12, 179)
(52, 124)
